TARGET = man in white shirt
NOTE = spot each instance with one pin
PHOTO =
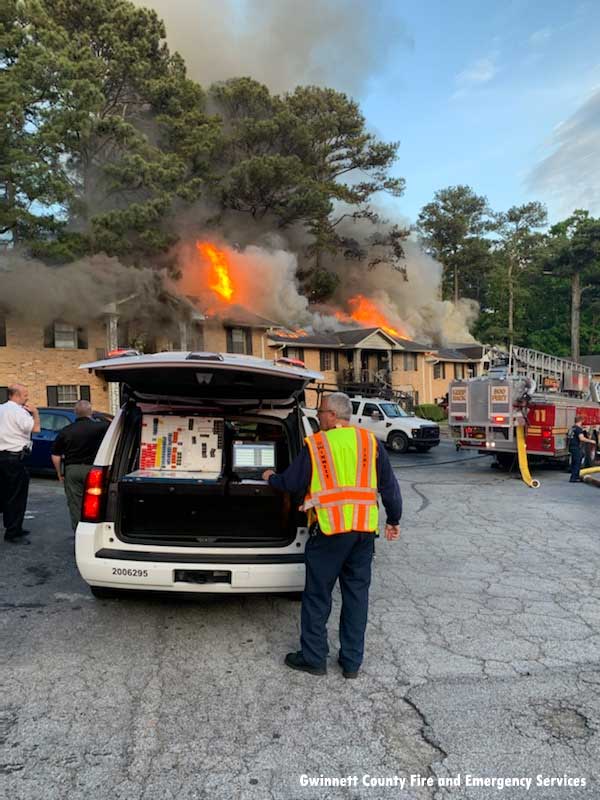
(18, 420)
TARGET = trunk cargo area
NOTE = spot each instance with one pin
(215, 514)
(195, 481)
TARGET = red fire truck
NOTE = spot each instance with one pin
(526, 388)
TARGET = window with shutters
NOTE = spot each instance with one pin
(325, 359)
(459, 371)
(63, 336)
(439, 370)
(67, 394)
(410, 362)
(239, 340)
(471, 370)
(295, 352)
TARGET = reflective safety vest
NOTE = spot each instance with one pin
(343, 485)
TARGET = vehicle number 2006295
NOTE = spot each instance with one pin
(132, 573)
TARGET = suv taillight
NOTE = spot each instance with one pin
(94, 495)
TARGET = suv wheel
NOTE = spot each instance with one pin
(398, 442)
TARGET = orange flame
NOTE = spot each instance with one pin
(365, 311)
(221, 282)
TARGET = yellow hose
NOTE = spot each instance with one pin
(588, 471)
(523, 465)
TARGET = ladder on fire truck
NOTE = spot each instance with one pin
(550, 373)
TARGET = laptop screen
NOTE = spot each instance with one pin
(254, 455)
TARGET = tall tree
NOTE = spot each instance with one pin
(452, 228)
(517, 245)
(304, 159)
(574, 252)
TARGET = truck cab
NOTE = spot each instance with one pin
(392, 425)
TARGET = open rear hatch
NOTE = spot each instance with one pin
(187, 471)
(222, 377)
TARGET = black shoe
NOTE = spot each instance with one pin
(348, 673)
(574, 480)
(16, 539)
(296, 661)
(22, 532)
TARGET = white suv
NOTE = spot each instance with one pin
(175, 501)
(392, 425)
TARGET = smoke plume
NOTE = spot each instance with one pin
(282, 43)
(80, 291)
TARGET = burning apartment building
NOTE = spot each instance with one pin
(243, 301)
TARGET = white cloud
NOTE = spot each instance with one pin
(480, 71)
(569, 177)
(539, 37)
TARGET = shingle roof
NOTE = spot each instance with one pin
(591, 361)
(351, 337)
(450, 354)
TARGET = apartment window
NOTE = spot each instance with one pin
(410, 362)
(63, 336)
(3, 394)
(239, 340)
(67, 394)
(2, 332)
(325, 360)
(459, 371)
(295, 352)
(472, 370)
(439, 370)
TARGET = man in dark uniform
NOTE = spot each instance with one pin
(339, 473)
(18, 420)
(77, 444)
(577, 437)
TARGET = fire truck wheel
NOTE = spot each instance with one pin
(398, 442)
(505, 460)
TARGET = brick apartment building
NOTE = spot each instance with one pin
(47, 358)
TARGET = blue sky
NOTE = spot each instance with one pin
(476, 94)
(503, 95)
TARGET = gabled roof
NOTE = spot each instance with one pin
(349, 338)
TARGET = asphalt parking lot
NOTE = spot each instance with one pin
(482, 660)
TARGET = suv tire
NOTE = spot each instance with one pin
(398, 442)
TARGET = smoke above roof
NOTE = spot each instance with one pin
(283, 43)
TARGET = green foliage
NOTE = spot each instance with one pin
(430, 411)
(453, 228)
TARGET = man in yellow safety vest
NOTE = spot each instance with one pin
(339, 473)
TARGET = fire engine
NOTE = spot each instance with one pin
(525, 396)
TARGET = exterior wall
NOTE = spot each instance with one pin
(26, 360)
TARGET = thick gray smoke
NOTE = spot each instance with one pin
(282, 43)
(78, 292)
(263, 279)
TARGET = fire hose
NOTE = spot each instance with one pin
(523, 465)
(585, 473)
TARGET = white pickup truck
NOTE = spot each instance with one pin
(391, 424)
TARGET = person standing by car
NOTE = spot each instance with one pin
(339, 472)
(18, 420)
(577, 437)
(77, 444)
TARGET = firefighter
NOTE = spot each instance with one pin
(577, 437)
(339, 473)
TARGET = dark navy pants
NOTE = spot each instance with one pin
(346, 556)
(575, 462)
